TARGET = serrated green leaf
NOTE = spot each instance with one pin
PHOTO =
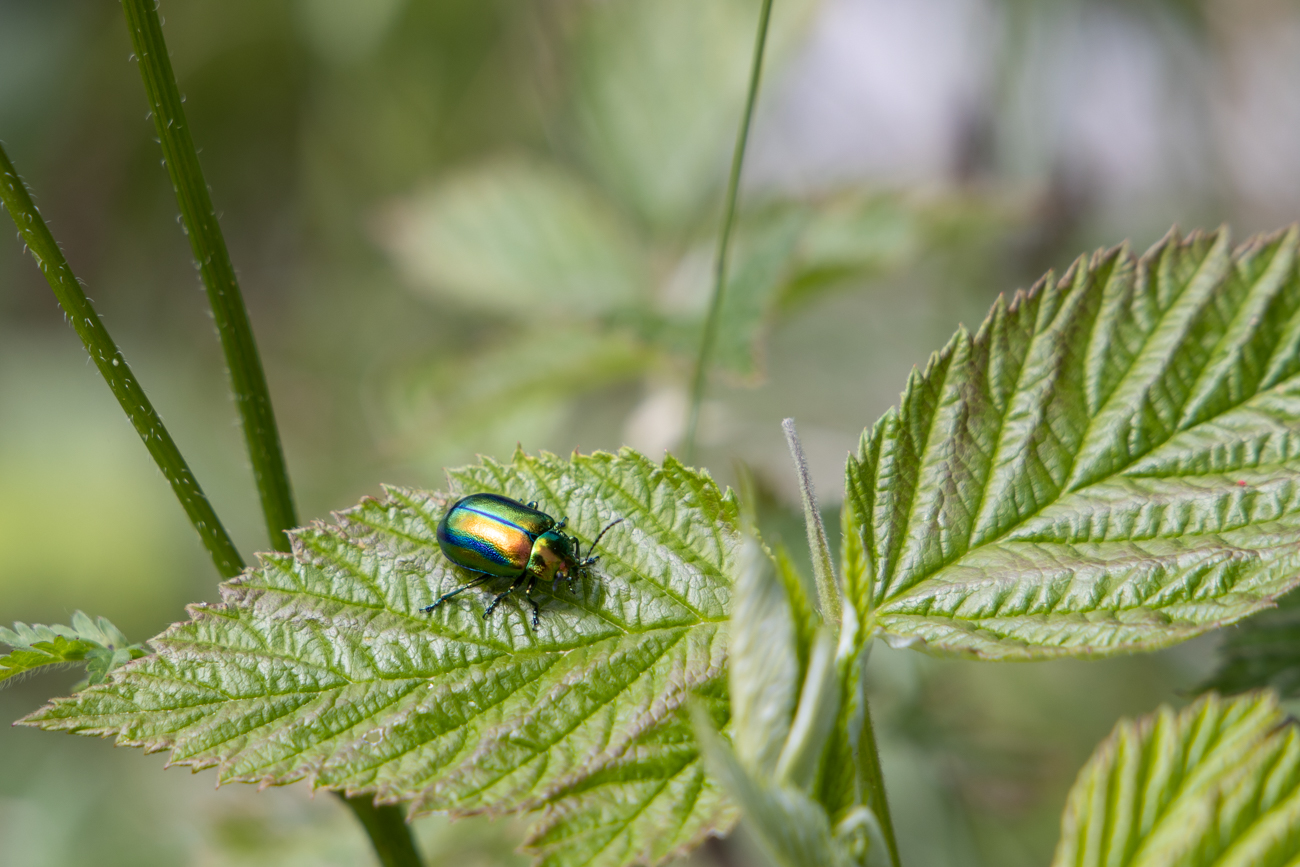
(1108, 465)
(56, 651)
(97, 643)
(1215, 784)
(1262, 652)
(322, 666)
(524, 239)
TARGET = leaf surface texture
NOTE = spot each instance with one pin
(1217, 783)
(320, 665)
(1109, 464)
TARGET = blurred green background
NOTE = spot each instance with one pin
(463, 225)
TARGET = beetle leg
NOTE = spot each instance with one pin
(519, 582)
(528, 594)
(444, 597)
(564, 522)
(532, 505)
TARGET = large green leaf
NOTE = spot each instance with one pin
(320, 665)
(1108, 465)
(1215, 784)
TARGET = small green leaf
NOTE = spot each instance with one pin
(97, 643)
(764, 673)
(320, 665)
(1106, 466)
(1217, 783)
(762, 266)
(819, 704)
(29, 657)
(520, 238)
(1263, 651)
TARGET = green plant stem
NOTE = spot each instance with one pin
(248, 381)
(391, 836)
(828, 590)
(116, 372)
(711, 323)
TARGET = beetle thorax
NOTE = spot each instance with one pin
(552, 555)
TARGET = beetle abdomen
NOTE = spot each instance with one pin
(492, 534)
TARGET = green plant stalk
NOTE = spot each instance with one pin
(385, 825)
(828, 590)
(388, 831)
(711, 323)
(116, 372)
(248, 381)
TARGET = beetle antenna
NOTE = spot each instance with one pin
(592, 546)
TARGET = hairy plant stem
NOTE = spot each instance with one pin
(116, 372)
(828, 590)
(385, 825)
(247, 379)
(711, 323)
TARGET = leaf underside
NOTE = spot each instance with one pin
(1215, 784)
(1108, 465)
(320, 665)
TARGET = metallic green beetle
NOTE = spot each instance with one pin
(503, 538)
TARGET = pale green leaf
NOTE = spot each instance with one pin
(1108, 465)
(320, 665)
(1217, 783)
(805, 746)
(787, 254)
(659, 89)
(793, 829)
(479, 402)
(764, 672)
(521, 238)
